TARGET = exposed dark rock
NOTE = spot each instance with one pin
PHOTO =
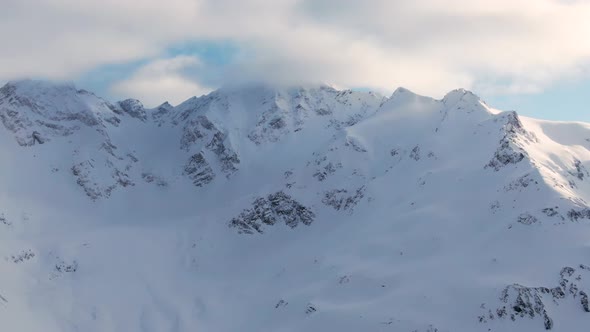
(415, 153)
(64, 267)
(36, 121)
(202, 130)
(132, 157)
(152, 178)
(198, 169)
(579, 170)
(134, 108)
(327, 170)
(521, 301)
(122, 178)
(161, 112)
(115, 121)
(82, 172)
(527, 219)
(551, 212)
(394, 152)
(510, 150)
(344, 280)
(323, 111)
(23, 256)
(277, 123)
(110, 148)
(4, 221)
(38, 138)
(355, 144)
(288, 174)
(521, 183)
(584, 301)
(281, 303)
(228, 159)
(195, 130)
(342, 199)
(272, 124)
(277, 207)
(506, 154)
(495, 206)
(575, 215)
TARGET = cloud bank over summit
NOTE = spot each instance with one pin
(430, 46)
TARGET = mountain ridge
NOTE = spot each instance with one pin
(262, 209)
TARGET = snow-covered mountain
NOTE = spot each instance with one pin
(289, 209)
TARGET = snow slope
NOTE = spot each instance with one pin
(289, 209)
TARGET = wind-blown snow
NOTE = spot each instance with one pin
(292, 209)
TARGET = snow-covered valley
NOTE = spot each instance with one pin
(257, 208)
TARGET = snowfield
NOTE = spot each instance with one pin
(256, 208)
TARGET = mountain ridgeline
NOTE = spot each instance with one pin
(257, 208)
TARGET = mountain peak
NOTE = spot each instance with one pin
(454, 96)
(134, 108)
(39, 89)
(37, 111)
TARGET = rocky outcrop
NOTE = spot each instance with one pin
(579, 170)
(415, 153)
(36, 111)
(99, 176)
(355, 144)
(521, 183)
(4, 221)
(66, 267)
(134, 108)
(272, 125)
(198, 170)
(23, 256)
(228, 159)
(155, 179)
(575, 215)
(311, 308)
(328, 169)
(520, 301)
(552, 212)
(83, 173)
(510, 150)
(275, 208)
(202, 133)
(506, 154)
(162, 113)
(527, 219)
(343, 199)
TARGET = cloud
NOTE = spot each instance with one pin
(431, 46)
(63, 38)
(162, 80)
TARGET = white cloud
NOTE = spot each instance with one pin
(430, 46)
(162, 80)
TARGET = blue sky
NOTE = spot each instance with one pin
(565, 100)
(214, 55)
(532, 56)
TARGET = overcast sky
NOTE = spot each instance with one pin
(528, 55)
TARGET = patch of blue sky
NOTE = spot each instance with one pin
(565, 101)
(214, 56)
